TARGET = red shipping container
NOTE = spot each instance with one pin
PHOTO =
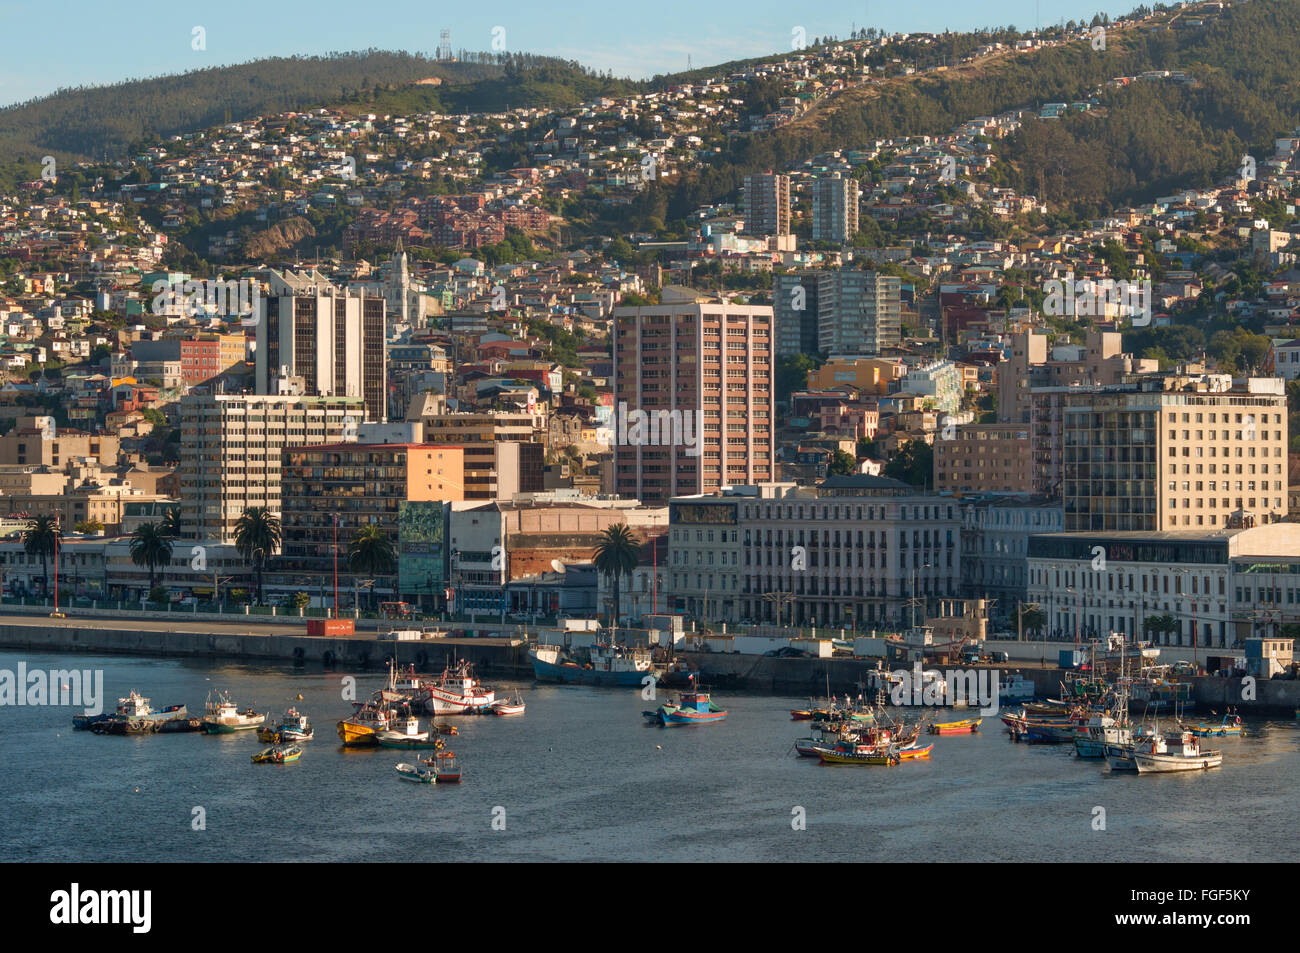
(330, 627)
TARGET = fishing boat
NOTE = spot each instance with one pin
(1101, 730)
(405, 733)
(278, 755)
(876, 750)
(607, 664)
(1018, 689)
(294, 726)
(514, 705)
(915, 751)
(1158, 756)
(456, 691)
(691, 708)
(222, 716)
(416, 772)
(359, 729)
(133, 715)
(445, 766)
(1230, 725)
(966, 726)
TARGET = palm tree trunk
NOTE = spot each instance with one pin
(45, 576)
(616, 612)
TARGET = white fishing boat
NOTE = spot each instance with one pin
(405, 733)
(1158, 756)
(416, 772)
(455, 692)
(1017, 689)
(222, 716)
(514, 705)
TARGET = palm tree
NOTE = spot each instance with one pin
(616, 556)
(43, 538)
(151, 547)
(371, 552)
(257, 537)
(171, 522)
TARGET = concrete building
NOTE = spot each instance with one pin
(356, 485)
(38, 442)
(1029, 366)
(1191, 453)
(505, 451)
(231, 452)
(995, 535)
(835, 208)
(865, 374)
(984, 458)
(855, 552)
(794, 313)
(938, 382)
(201, 356)
(334, 341)
(765, 202)
(693, 398)
(859, 313)
(1219, 586)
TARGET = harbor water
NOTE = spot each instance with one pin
(582, 776)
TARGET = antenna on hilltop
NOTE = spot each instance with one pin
(444, 45)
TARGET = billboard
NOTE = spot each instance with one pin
(421, 553)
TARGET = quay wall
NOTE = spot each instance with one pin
(495, 656)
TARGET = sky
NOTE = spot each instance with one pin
(46, 45)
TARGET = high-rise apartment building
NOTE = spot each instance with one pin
(230, 452)
(1179, 453)
(835, 208)
(794, 313)
(332, 340)
(765, 203)
(504, 450)
(693, 398)
(859, 313)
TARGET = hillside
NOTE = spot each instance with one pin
(101, 122)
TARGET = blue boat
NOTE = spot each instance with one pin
(693, 708)
(609, 665)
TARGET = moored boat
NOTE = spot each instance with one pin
(1160, 757)
(406, 733)
(416, 772)
(966, 726)
(691, 708)
(278, 755)
(608, 664)
(1230, 725)
(445, 766)
(222, 716)
(514, 705)
(359, 729)
(455, 692)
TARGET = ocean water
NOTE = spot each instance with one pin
(581, 776)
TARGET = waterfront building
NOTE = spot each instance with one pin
(1175, 452)
(995, 534)
(1218, 586)
(855, 551)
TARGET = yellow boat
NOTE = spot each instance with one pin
(359, 730)
(964, 727)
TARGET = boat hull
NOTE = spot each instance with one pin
(356, 736)
(1166, 763)
(884, 758)
(577, 675)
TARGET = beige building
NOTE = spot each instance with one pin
(984, 458)
(1183, 453)
(693, 398)
(504, 451)
(230, 452)
(36, 441)
(869, 375)
(1100, 361)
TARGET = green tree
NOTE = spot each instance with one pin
(371, 552)
(842, 464)
(150, 547)
(616, 556)
(257, 537)
(42, 538)
(89, 527)
(913, 463)
(1032, 618)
